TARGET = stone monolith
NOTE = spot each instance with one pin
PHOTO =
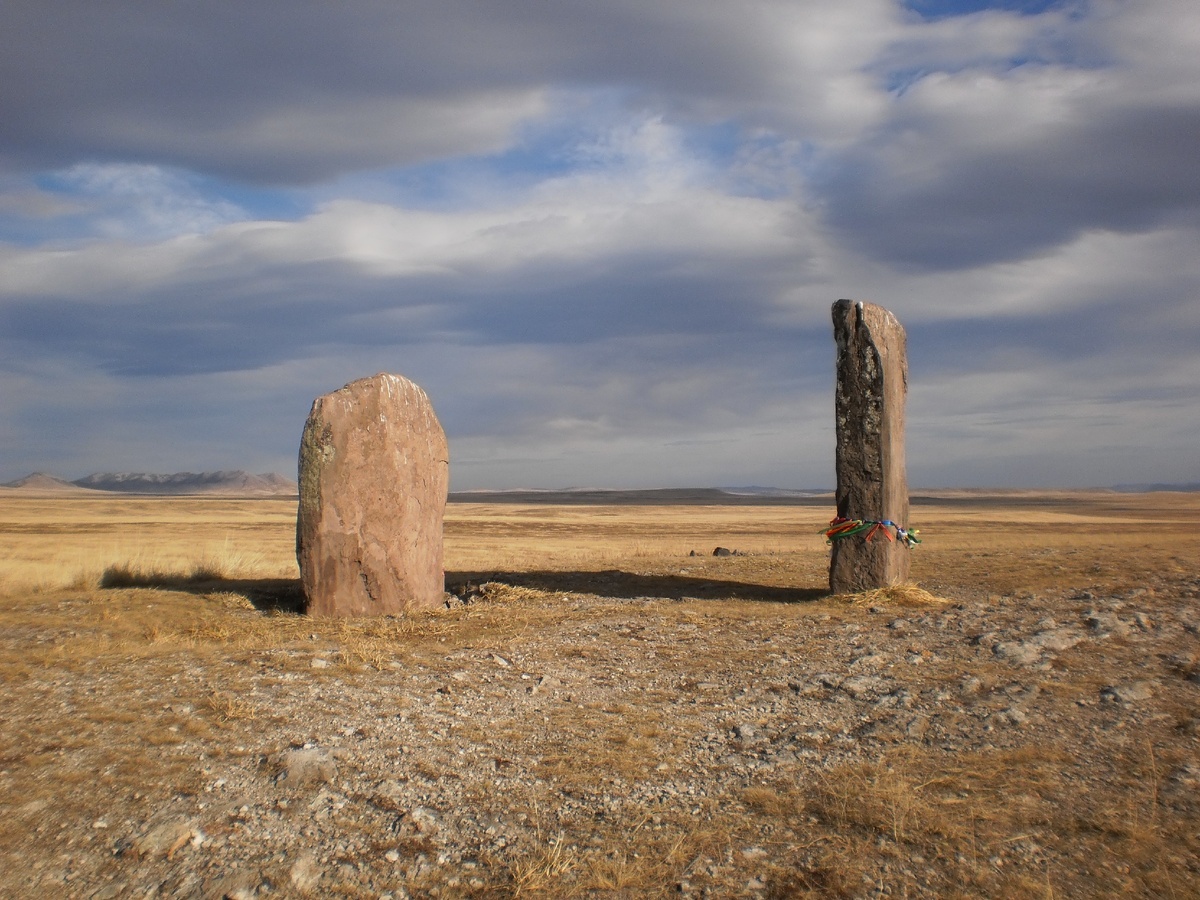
(872, 381)
(374, 473)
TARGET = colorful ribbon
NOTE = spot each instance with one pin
(841, 528)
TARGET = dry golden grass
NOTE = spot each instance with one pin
(499, 537)
(55, 542)
(202, 593)
(897, 595)
(1009, 544)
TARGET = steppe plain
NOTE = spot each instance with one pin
(598, 712)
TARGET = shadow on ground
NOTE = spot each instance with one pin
(266, 594)
(286, 595)
(629, 585)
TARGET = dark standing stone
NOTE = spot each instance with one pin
(872, 381)
(374, 473)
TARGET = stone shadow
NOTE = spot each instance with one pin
(265, 594)
(631, 585)
(286, 594)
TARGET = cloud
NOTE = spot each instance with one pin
(273, 92)
(141, 202)
(627, 305)
(579, 259)
(1032, 132)
(286, 92)
(604, 237)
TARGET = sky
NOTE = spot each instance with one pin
(603, 235)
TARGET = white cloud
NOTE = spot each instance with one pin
(143, 202)
(605, 237)
(649, 200)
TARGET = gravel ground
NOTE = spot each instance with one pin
(624, 746)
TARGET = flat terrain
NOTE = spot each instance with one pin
(601, 713)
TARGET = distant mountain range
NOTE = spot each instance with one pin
(230, 483)
(1151, 488)
(755, 496)
(238, 483)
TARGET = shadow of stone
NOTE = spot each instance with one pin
(286, 594)
(630, 585)
(265, 594)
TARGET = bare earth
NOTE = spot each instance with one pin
(608, 715)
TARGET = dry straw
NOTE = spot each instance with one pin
(907, 594)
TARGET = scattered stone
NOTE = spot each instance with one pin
(860, 686)
(1105, 624)
(1056, 639)
(425, 820)
(240, 892)
(374, 473)
(1185, 664)
(167, 838)
(917, 727)
(970, 685)
(1014, 715)
(870, 661)
(722, 551)
(829, 680)
(305, 873)
(235, 886)
(1183, 785)
(305, 767)
(1132, 692)
(1018, 652)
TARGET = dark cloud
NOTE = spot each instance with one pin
(282, 91)
(270, 314)
(974, 203)
(1109, 329)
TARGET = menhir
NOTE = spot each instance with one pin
(374, 473)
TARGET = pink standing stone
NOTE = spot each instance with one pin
(374, 473)
(872, 384)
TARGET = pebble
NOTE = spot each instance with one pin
(304, 767)
(1131, 692)
(1018, 652)
(167, 838)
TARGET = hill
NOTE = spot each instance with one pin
(650, 497)
(236, 482)
(40, 482)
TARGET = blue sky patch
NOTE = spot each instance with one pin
(944, 9)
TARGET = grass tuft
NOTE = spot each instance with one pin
(543, 870)
(907, 594)
(230, 707)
